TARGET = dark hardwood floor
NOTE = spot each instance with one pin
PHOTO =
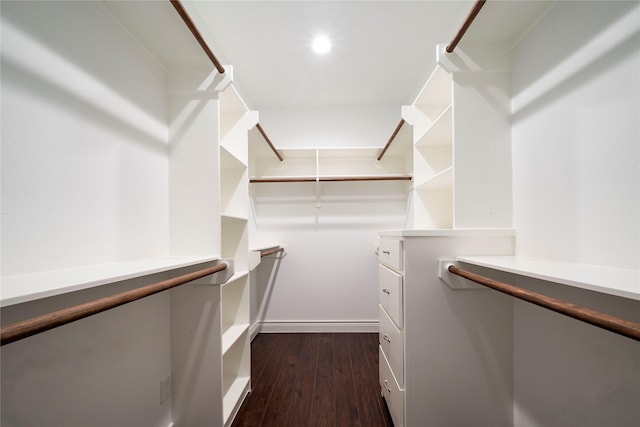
(314, 379)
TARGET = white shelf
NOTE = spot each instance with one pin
(232, 397)
(330, 178)
(458, 232)
(229, 159)
(439, 133)
(234, 216)
(436, 91)
(236, 275)
(29, 287)
(311, 165)
(613, 281)
(231, 334)
(440, 181)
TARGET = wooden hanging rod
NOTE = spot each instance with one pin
(36, 325)
(177, 4)
(333, 178)
(613, 324)
(393, 136)
(266, 138)
(271, 251)
(465, 25)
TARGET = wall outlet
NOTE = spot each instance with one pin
(165, 389)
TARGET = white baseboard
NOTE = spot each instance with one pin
(314, 326)
(254, 330)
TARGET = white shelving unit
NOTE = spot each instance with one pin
(225, 380)
(461, 154)
(329, 174)
(317, 164)
(155, 140)
(235, 122)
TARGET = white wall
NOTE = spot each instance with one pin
(576, 171)
(84, 181)
(104, 370)
(328, 278)
(575, 135)
(84, 142)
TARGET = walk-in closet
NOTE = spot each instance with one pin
(429, 215)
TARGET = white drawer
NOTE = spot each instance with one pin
(391, 392)
(390, 285)
(392, 343)
(390, 253)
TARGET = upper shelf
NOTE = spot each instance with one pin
(173, 46)
(613, 281)
(29, 287)
(328, 164)
(513, 19)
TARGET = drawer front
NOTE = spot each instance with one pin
(390, 284)
(392, 343)
(390, 253)
(391, 392)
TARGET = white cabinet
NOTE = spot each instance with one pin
(444, 346)
(391, 327)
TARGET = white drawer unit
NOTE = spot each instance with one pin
(391, 391)
(392, 344)
(390, 284)
(391, 324)
(390, 253)
(435, 341)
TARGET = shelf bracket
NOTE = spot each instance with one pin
(453, 281)
(222, 81)
(481, 58)
(407, 113)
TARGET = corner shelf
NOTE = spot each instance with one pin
(607, 280)
(441, 181)
(439, 133)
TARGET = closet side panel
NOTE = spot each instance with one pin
(576, 103)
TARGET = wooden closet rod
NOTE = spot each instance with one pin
(465, 25)
(36, 325)
(177, 4)
(333, 179)
(266, 138)
(611, 323)
(393, 136)
(271, 251)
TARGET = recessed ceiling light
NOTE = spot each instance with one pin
(321, 44)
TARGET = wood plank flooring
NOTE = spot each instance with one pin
(314, 379)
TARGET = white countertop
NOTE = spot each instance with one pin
(473, 232)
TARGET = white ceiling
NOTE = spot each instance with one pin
(383, 51)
